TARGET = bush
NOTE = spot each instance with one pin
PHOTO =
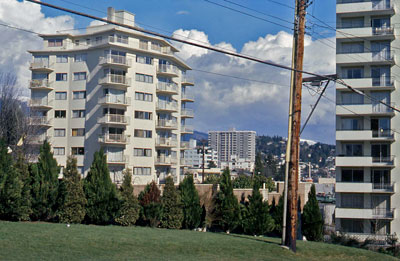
(130, 208)
(172, 214)
(151, 205)
(192, 211)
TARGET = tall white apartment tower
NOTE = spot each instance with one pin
(233, 145)
(116, 89)
(367, 168)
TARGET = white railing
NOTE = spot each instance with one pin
(39, 84)
(39, 65)
(166, 86)
(167, 68)
(39, 120)
(114, 118)
(167, 123)
(187, 96)
(384, 55)
(163, 105)
(115, 79)
(160, 141)
(115, 59)
(384, 30)
(114, 138)
(115, 99)
(186, 79)
(187, 128)
(187, 112)
(40, 102)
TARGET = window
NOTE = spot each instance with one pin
(144, 115)
(59, 132)
(352, 175)
(142, 152)
(143, 44)
(119, 38)
(141, 96)
(57, 151)
(60, 114)
(141, 171)
(353, 150)
(55, 42)
(79, 76)
(78, 95)
(78, 132)
(99, 39)
(62, 59)
(82, 57)
(155, 46)
(77, 151)
(352, 200)
(77, 42)
(78, 113)
(144, 59)
(353, 73)
(61, 95)
(353, 47)
(144, 78)
(352, 98)
(356, 22)
(143, 133)
(61, 77)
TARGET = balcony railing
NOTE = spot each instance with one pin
(385, 30)
(167, 68)
(372, 107)
(382, 133)
(385, 81)
(187, 128)
(163, 159)
(114, 138)
(187, 113)
(383, 212)
(164, 123)
(167, 87)
(387, 187)
(187, 80)
(384, 55)
(39, 84)
(40, 65)
(166, 50)
(171, 106)
(185, 144)
(115, 79)
(115, 59)
(117, 159)
(39, 120)
(376, 5)
(40, 103)
(114, 118)
(114, 99)
(187, 96)
(383, 159)
(166, 142)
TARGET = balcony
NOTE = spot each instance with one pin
(115, 119)
(167, 88)
(118, 139)
(362, 135)
(115, 60)
(361, 187)
(383, 7)
(167, 106)
(110, 99)
(186, 129)
(167, 70)
(187, 113)
(372, 58)
(373, 33)
(110, 39)
(185, 145)
(165, 160)
(40, 85)
(40, 121)
(42, 66)
(116, 80)
(187, 81)
(38, 139)
(364, 161)
(187, 97)
(362, 213)
(41, 104)
(379, 83)
(166, 142)
(117, 159)
(364, 109)
(166, 124)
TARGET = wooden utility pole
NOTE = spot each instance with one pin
(293, 143)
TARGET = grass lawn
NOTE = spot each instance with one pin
(44, 241)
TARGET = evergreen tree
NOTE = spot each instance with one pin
(259, 221)
(259, 165)
(73, 204)
(150, 200)
(172, 214)
(276, 212)
(44, 184)
(212, 164)
(227, 205)
(130, 208)
(23, 172)
(12, 205)
(101, 194)
(192, 210)
(312, 223)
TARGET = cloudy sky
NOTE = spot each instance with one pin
(220, 102)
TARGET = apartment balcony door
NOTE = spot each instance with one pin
(379, 97)
(380, 178)
(380, 152)
(380, 4)
(380, 50)
(380, 76)
(380, 22)
(380, 127)
(381, 202)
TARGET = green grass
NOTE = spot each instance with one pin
(44, 241)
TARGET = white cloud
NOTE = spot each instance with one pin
(223, 102)
(14, 57)
(182, 12)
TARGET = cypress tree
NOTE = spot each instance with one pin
(172, 214)
(44, 184)
(150, 200)
(74, 201)
(130, 208)
(312, 223)
(192, 210)
(12, 203)
(227, 205)
(101, 193)
(276, 212)
(260, 221)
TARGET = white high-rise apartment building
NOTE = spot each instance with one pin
(116, 89)
(367, 171)
(234, 145)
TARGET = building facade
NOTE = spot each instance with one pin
(116, 89)
(234, 146)
(367, 174)
(194, 156)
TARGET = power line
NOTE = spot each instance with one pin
(282, 4)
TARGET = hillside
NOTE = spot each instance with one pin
(44, 241)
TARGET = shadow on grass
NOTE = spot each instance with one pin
(260, 239)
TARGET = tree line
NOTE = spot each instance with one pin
(34, 192)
